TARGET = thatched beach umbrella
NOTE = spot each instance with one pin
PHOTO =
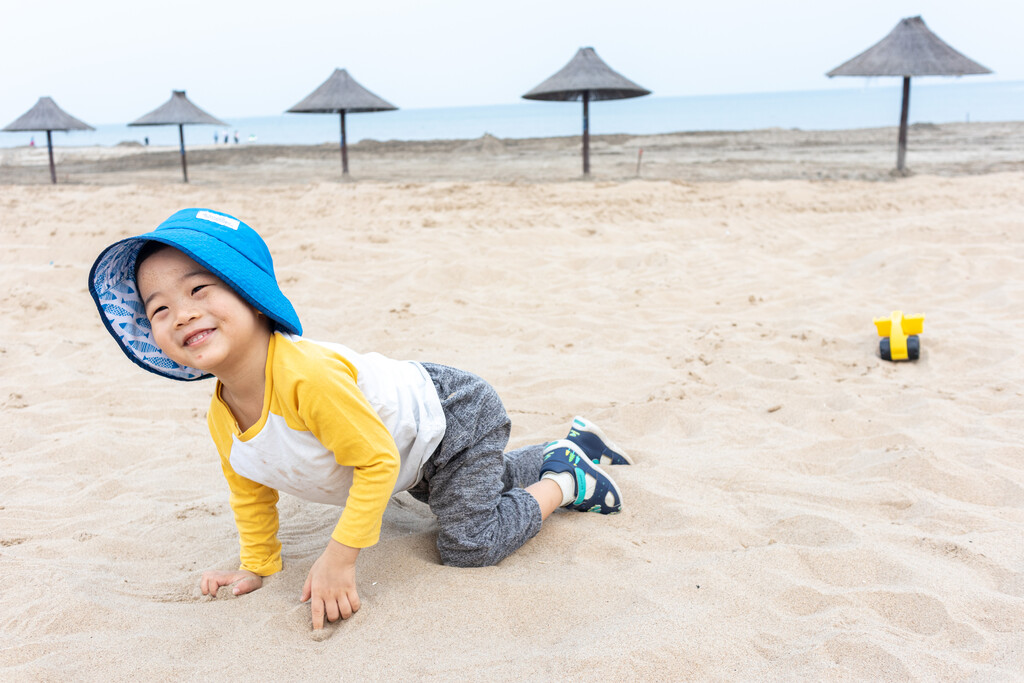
(46, 115)
(178, 111)
(910, 49)
(586, 77)
(340, 94)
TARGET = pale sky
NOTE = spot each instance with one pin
(111, 61)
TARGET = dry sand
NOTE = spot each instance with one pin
(800, 509)
(774, 154)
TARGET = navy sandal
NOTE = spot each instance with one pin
(595, 490)
(598, 448)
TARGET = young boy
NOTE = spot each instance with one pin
(197, 297)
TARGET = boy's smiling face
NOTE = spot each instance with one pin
(198, 320)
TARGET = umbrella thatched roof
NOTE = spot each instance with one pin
(340, 93)
(586, 72)
(46, 115)
(910, 49)
(177, 111)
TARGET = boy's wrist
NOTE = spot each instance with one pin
(340, 551)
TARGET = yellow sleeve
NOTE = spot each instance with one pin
(254, 505)
(337, 413)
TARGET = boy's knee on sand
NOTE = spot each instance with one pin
(488, 542)
(477, 550)
(467, 557)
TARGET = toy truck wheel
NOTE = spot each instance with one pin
(913, 347)
(883, 349)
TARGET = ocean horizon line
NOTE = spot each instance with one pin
(870, 106)
(870, 83)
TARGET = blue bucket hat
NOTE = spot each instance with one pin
(222, 244)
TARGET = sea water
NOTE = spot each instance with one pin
(875, 104)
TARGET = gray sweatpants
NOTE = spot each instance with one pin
(470, 483)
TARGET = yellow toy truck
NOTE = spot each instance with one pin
(899, 336)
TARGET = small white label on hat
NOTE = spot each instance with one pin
(217, 218)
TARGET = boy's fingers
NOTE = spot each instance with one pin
(244, 582)
(318, 614)
(334, 609)
(210, 585)
(306, 591)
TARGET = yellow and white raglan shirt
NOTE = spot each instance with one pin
(337, 427)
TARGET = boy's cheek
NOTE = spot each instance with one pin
(165, 344)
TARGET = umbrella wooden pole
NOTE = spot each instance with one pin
(344, 147)
(901, 153)
(49, 148)
(586, 132)
(181, 140)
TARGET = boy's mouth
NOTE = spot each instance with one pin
(197, 337)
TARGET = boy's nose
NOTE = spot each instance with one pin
(185, 314)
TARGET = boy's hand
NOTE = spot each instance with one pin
(247, 582)
(331, 584)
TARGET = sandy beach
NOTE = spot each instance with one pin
(800, 509)
(951, 149)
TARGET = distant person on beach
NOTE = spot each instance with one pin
(146, 140)
(32, 141)
(198, 298)
(216, 137)
(236, 137)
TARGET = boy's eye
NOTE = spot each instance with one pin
(156, 310)
(197, 288)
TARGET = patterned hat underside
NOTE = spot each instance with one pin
(126, 315)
